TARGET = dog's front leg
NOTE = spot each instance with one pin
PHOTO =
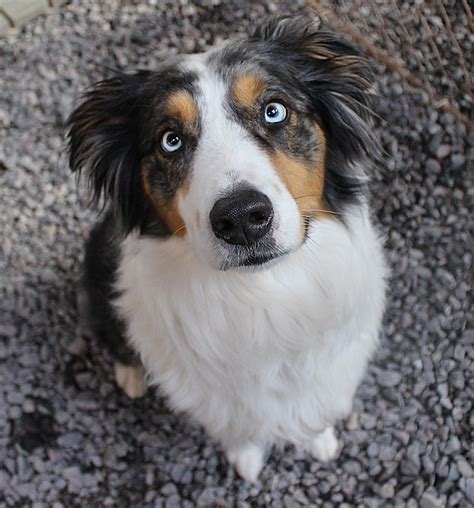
(325, 447)
(247, 460)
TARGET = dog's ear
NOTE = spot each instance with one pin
(333, 73)
(103, 137)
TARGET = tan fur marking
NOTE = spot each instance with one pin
(247, 89)
(168, 212)
(304, 181)
(182, 106)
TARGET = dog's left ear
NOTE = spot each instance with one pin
(334, 75)
(103, 134)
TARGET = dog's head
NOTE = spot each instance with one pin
(237, 149)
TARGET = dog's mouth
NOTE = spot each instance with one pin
(260, 259)
(253, 259)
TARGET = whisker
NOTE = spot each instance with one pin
(177, 231)
(306, 196)
(320, 210)
(315, 209)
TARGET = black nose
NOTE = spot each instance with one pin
(242, 218)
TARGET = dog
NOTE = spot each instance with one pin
(235, 261)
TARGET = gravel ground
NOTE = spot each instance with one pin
(68, 437)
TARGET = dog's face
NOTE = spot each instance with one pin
(236, 150)
(239, 158)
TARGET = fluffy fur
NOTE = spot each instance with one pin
(261, 341)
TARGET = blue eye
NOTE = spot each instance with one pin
(171, 141)
(275, 112)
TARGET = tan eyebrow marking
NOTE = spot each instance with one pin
(247, 89)
(182, 106)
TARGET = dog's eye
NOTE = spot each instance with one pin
(275, 112)
(171, 141)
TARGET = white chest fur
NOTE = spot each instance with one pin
(258, 356)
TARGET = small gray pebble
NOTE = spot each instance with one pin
(469, 489)
(387, 491)
(464, 468)
(430, 501)
(443, 151)
(389, 379)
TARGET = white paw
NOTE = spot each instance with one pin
(325, 446)
(131, 378)
(248, 461)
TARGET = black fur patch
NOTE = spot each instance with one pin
(98, 281)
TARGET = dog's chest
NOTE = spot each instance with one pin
(224, 314)
(177, 308)
(212, 331)
(205, 338)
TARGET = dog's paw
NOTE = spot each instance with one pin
(247, 460)
(131, 378)
(325, 446)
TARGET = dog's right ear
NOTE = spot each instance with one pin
(336, 76)
(103, 134)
